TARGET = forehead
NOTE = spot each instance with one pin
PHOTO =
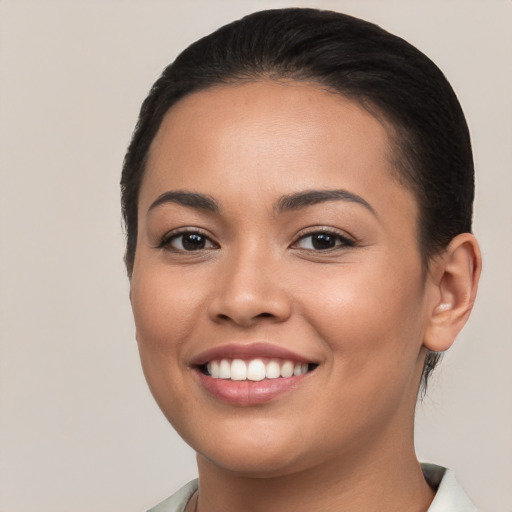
(269, 135)
(293, 110)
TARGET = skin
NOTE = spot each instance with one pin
(364, 311)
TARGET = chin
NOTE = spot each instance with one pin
(254, 463)
(254, 450)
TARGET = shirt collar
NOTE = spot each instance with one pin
(450, 497)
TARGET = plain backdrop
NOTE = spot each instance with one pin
(78, 428)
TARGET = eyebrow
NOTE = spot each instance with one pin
(190, 199)
(311, 197)
(285, 203)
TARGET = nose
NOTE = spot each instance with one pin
(250, 289)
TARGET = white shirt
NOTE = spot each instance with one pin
(449, 497)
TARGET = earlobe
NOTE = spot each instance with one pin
(455, 280)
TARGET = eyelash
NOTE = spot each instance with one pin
(166, 242)
(341, 241)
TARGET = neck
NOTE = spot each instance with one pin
(387, 480)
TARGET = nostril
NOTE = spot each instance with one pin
(245, 309)
(224, 317)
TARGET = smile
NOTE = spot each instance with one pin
(254, 369)
(251, 374)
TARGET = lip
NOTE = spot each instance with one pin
(247, 393)
(249, 351)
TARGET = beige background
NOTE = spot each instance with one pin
(78, 428)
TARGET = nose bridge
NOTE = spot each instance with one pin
(249, 287)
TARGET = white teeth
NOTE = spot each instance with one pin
(238, 370)
(255, 369)
(224, 369)
(214, 369)
(300, 369)
(287, 369)
(273, 371)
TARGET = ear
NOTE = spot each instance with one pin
(453, 276)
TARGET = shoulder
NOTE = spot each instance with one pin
(178, 501)
(450, 497)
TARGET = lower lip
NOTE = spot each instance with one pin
(247, 392)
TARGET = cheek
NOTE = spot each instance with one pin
(373, 326)
(164, 308)
(368, 316)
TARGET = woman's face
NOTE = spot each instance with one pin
(274, 233)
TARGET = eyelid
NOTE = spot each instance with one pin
(346, 239)
(165, 240)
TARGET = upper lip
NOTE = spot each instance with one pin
(247, 351)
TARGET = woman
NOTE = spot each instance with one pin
(298, 200)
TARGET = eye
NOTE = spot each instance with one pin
(187, 241)
(322, 241)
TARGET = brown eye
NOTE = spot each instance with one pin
(321, 241)
(193, 242)
(188, 241)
